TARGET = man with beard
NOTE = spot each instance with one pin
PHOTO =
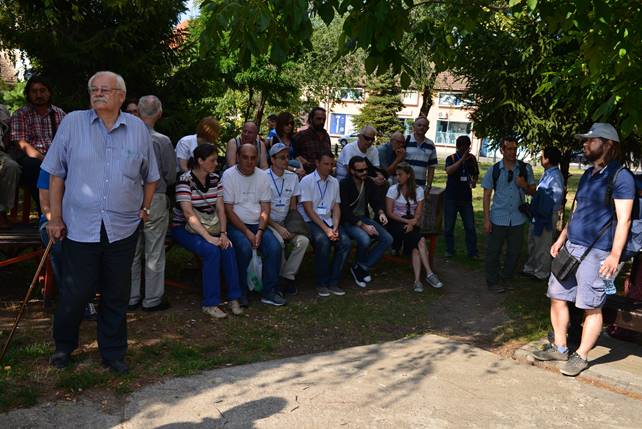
(98, 164)
(313, 141)
(599, 225)
(32, 130)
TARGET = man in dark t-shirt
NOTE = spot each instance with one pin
(311, 142)
(463, 172)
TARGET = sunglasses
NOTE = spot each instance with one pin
(360, 170)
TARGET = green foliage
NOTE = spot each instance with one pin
(13, 98)
(382, 105)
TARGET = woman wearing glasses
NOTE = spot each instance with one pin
(404, 207)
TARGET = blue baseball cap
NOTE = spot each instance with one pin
(277, 148)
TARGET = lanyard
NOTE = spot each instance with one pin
(322, 193)
(463, 166)
(277, 186)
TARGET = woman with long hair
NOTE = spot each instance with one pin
(200, 226)
(404, 207)
(284, 133)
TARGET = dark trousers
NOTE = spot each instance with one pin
(91, 267)
(29, 177)
(513, 237)
(465, 210)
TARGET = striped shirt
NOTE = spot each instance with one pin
(202, 197)
(28, 125)
(103, 172)
(420, 157)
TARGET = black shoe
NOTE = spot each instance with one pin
(133, 307)
(358, 275)
(243, 301)
(60, 360)
(117, 366)
(164, 305)
(288, 287)
(496, 289)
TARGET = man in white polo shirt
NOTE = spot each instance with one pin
(285, 190)
(363, 147)
(320, 208)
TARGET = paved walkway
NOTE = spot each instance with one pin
(423, 382)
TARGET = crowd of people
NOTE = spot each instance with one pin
(108, 183)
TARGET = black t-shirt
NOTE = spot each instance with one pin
(458, 184)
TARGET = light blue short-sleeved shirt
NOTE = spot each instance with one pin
(104, 172)
(553, 180)
(507, 196)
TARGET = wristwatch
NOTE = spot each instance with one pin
(147, 211)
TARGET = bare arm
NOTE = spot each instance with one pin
(148, 194)
(623, 212)
(230, 153)
(43, 196)
(182, 164)
(487, 224)
(31, 151)
(430, 174)
(263, 163)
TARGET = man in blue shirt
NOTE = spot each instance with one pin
(103, 176)
(545, 208)
(600, 223)
(507, 182)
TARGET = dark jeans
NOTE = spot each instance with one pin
(368, 254)
(29, 177)
(328, 270)
(513, 236)
(88, 267)
(465, 210)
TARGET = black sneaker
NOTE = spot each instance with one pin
(60, 360)
(117, 366)
(288, 287)
(496, 289)
(358, 275)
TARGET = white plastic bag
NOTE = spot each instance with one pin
(254, 272)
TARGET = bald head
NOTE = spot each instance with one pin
(247, 159)
(249, 133)
(397, 140)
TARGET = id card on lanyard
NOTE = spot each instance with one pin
(322, 209)
(280, 202)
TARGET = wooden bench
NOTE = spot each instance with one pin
(623, 312)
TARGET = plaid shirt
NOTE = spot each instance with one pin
(309, 143)
(36, 130)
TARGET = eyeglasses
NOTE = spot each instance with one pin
(368, 138)
(510, 176)
(94, 90)
(360, 170)
(281, 157)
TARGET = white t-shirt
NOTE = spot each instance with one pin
(246, 193)
(185, 149)
(400, 206)
(323, 194)
(350, 150)
(283, 189)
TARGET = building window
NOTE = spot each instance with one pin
(448, 131)
(410, 98)
(452, 99)
(350, 94)
(341, 123)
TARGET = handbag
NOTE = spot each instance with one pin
(209, 221)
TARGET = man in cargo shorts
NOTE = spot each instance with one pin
(601, 225)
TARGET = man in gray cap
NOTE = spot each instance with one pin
(285, 193)
(599, 228)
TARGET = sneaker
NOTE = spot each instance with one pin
(366, 276)
(574, 365)
(357, 275)
(418, 287)
(60, 360)
(434, 281)
(215, 312)
(336, 290)
(236, 308)
(496, 289)
(288, 287)
(274, 299)
(323, 291)
(164, 305)
(550, 352)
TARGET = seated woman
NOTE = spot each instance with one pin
(284, 131)
(199, 204)
(404, 206)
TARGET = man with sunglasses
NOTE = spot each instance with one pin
(364, 148)
(503, 222)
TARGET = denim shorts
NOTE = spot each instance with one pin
(586, 288)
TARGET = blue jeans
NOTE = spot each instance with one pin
(270, 251)
(465, 210)
(328, 273)
(367, 257)
(213, 259)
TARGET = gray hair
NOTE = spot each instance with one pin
(149, 106)
(120, 82)
(367, 128)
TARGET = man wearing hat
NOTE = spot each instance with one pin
(285, 192)
(601, 226)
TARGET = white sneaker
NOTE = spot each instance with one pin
(236, 308)
(434, 281)
(418, 287)
(215, 312)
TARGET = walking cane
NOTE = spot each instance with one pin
(24, 303)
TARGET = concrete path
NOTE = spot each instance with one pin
(424, 382)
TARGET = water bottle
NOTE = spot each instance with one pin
(609, 282)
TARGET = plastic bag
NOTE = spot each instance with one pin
(254, 271)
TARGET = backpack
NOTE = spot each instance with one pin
(634, 241)
(521, 167)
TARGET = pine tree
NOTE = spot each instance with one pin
(382, 105)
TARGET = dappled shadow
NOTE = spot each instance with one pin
(617, 350)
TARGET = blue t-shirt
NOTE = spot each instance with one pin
(458, 183)
(593, 211)
(43, 183)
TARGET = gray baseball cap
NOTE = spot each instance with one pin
(277, 148)
(600, 129)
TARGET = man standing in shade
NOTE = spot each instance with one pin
(103, 176)
(314, 140)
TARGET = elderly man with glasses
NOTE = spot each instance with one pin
(103, 177)
(363, 147)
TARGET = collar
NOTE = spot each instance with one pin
(245, 175)
(502, 167)
(32, 108)
(273, 173)
(120, 120)
(317, 176)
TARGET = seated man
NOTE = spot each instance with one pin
(207, 131)
(249, 135)
(285, 190)
(247, 197)
(320, 209)
(9, 172)
(391, 154)
(364, 148)
(358, 191)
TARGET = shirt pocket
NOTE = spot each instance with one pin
(130, 167)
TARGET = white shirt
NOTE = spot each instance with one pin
(185, 149)
(246, 193)
(350, 150)
(323, 194)
(283, 189)
(400, 205)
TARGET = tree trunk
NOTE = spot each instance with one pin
(246, 115)
(565, 164)
(427, 96)
(259, 111)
